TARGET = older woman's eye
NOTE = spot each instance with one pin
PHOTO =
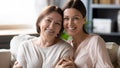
(48, 20)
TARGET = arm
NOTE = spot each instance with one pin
(21, 61)
(103, 59)
(66, 60)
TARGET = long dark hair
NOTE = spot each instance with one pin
(78, 5)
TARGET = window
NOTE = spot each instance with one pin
(19, 16)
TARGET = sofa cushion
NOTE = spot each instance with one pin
(5, 58)
(113, 50)
(118, 54)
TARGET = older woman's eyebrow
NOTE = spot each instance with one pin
(49, 17)
(52, 19)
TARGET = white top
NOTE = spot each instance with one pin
(92, 53)
(33, 56)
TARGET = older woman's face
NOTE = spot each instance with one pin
(73, 21)
(51, 25)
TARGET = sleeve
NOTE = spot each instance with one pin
(67, 52)
(21, 56)
(103, 59)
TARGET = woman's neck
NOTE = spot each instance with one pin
(78, 38)
(46, 42)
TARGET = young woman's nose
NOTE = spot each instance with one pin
(70, 22)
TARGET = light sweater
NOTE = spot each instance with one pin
(33, 56)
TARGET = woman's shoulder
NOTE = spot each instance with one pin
(64, 43)
(28, 43)
(95, 37)
(64, 46)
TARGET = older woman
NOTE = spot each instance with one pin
(47, 49)
(89, 49)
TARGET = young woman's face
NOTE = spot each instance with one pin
(73, 21)
(51, 25)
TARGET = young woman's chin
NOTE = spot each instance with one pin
(71, 33)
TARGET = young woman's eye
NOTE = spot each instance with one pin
(58, 23)
(75, 18)
(66, 18)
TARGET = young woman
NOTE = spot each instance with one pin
(89, 49)
(47, 49)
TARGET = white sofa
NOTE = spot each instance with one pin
(8, 56)
(114, 53)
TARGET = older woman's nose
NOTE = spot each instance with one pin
(51, 25)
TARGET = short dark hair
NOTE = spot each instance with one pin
(47, 11)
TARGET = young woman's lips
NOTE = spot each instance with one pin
(71, 28)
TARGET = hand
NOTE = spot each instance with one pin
(66, 63)
(16, 65)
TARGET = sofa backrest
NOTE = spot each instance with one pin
(15, 43)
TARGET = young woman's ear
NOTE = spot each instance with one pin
(84, 20)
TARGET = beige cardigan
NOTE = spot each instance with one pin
(92, 53)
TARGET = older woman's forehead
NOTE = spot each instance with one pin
(54, 15)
